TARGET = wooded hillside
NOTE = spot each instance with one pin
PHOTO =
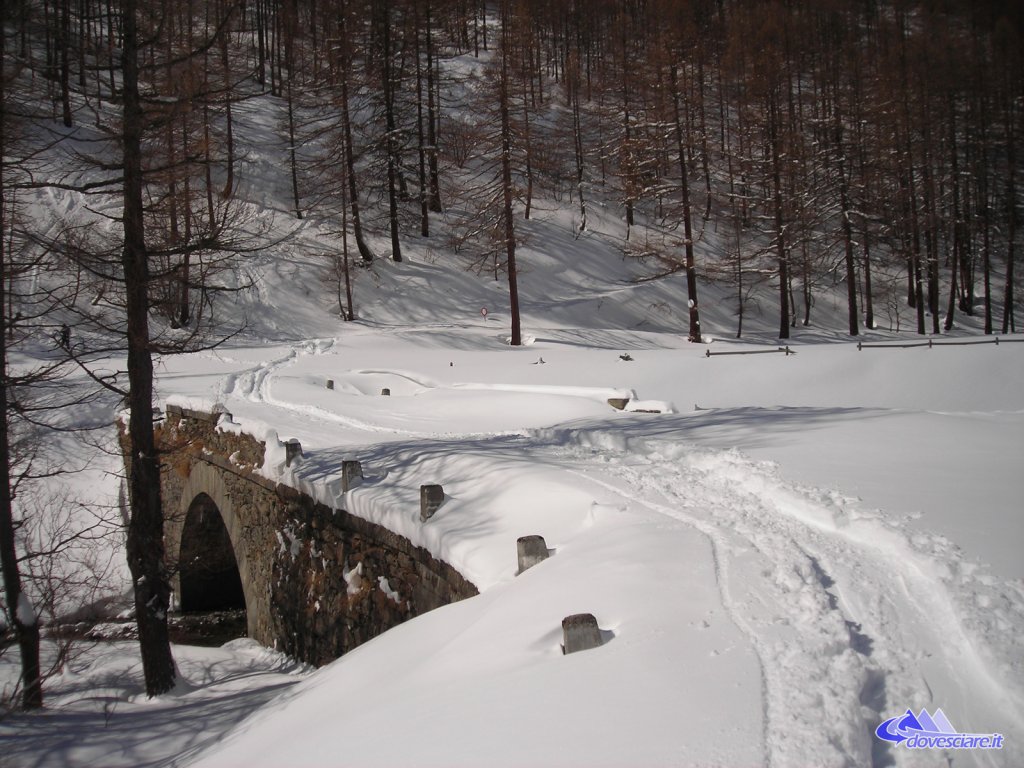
(850, 142)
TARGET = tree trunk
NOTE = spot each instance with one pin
(145, 543)
(931, 235)
(392, 150)
(528, 147)
(421, 138)
(684, 186)
(288, 28)
(506, 180)
(577, 141)
(958, 228)
(869, 301)
(1009, 319)
(64, 32)
(780, 230)
(432, 119)
(211, 208)
(703, 128)
(985, 204)
(347, 311)
(26, 627)
(916, 278)
(627, 159)
(184, 301)
(261, 44)
(847, 226)
(365, 253)
(22, 615)
(229, 171)
(627, 149)
(953, 287)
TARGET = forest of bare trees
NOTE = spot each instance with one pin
(860, 146)
(835, 143)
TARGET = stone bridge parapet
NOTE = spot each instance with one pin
(315, 582)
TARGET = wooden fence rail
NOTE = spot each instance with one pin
(932, 343)
(787, 350)
(884, 345)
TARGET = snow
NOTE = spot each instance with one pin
(26, 612)
(774, 572)
(353, 579)
(97, 713)
(385, 587)
(781, 551)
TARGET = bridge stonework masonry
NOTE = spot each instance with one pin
(315, 582)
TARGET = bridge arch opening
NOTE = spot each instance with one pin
(207, 568)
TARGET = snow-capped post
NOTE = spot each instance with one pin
(580, 633)
(330, 383)
(385, 392)
(531, 550)
(292, 450)
(431, 498)
(351, 474)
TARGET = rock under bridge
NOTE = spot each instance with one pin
(315, 582)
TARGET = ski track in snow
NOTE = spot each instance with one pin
(255, 385)
(798, 644)
(721, 568)
(838, 606)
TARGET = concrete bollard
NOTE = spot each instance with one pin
(292, 450)
(385, 392)
(431, 497)
(330, 383)
(351, 475)
(580, 633)
(531, 550)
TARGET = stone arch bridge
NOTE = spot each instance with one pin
(315, 582)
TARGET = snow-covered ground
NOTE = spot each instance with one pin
(794, 549)
(776, 571)
(790, 550)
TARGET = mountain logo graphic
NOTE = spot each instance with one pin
(933, 731)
